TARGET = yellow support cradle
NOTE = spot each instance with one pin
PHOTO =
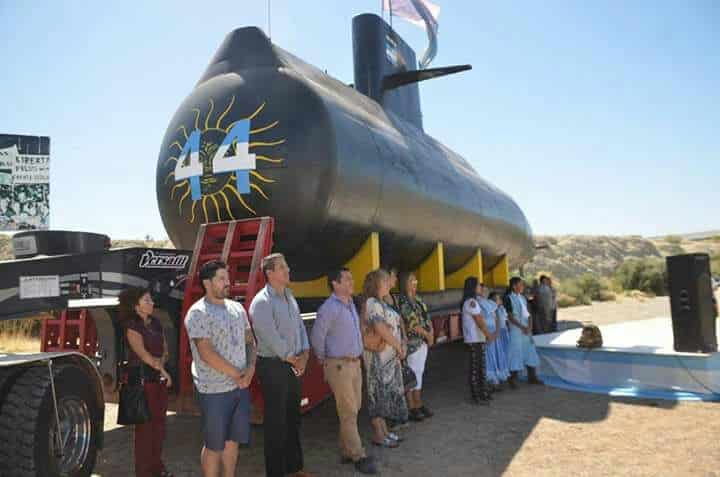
(364, 261)
(499, 276)
(473, 268)
(431, 273)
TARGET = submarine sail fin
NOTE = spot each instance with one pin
(401, 79)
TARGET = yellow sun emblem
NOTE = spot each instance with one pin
(215, 164)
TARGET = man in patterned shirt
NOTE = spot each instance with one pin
(223, 350)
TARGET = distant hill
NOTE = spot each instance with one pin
(570, 256)
(693, 236)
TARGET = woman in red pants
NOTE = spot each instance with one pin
(147, 352)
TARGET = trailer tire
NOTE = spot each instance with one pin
(7, 442)
(30, 416)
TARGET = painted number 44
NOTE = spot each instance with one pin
(188, 165)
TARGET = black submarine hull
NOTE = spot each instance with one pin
(331, 166)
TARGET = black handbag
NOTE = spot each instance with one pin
(133, 407)
(408, 375)
(409, 378)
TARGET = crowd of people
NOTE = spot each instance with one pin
(24, 206)
(379, 340)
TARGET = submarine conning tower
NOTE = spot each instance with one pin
(380, 53)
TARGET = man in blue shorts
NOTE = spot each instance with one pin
(223, 350)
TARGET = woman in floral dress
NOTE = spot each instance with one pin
(385, 391)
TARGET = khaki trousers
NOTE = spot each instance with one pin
(345, 380)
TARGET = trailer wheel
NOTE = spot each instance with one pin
(7, 441)
(29, 415)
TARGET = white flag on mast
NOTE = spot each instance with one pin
(406, 10)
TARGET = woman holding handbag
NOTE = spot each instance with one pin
(146, 353)
(382, 340)
(420, 337)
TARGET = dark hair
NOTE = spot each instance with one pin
(335, 275)
(389, 268)
(513, 282)
(129, 299)
(469, 288)
(208, 271)
(268, 263)
(403, 279)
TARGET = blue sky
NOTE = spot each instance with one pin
(597, 117)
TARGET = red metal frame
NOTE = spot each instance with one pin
(241, 244)
(74, 330)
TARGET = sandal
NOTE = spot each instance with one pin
(395, 437)
(386, 442)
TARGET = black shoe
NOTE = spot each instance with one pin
(427, 413)
(532, 377)
(416, 415)
(512, 380)
(366, 465)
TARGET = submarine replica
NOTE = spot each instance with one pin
(264, 133)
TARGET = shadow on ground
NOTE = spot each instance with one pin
(461, 439)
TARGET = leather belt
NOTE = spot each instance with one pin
(347, 359)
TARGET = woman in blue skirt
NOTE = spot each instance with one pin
(502, 346)
(522, 347)
(492, 369)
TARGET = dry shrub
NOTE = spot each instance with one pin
(20, 335)
(606, 295)
(12, 343)
(565, 301)
(648, 275)
(587, 288)
(638, 295)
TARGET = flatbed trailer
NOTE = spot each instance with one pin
(75, 295)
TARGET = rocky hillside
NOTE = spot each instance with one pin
(570, 256)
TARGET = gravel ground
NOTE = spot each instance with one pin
(529, 432)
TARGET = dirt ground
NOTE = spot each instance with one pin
(529, 432)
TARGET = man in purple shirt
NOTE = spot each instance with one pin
(338, 345)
